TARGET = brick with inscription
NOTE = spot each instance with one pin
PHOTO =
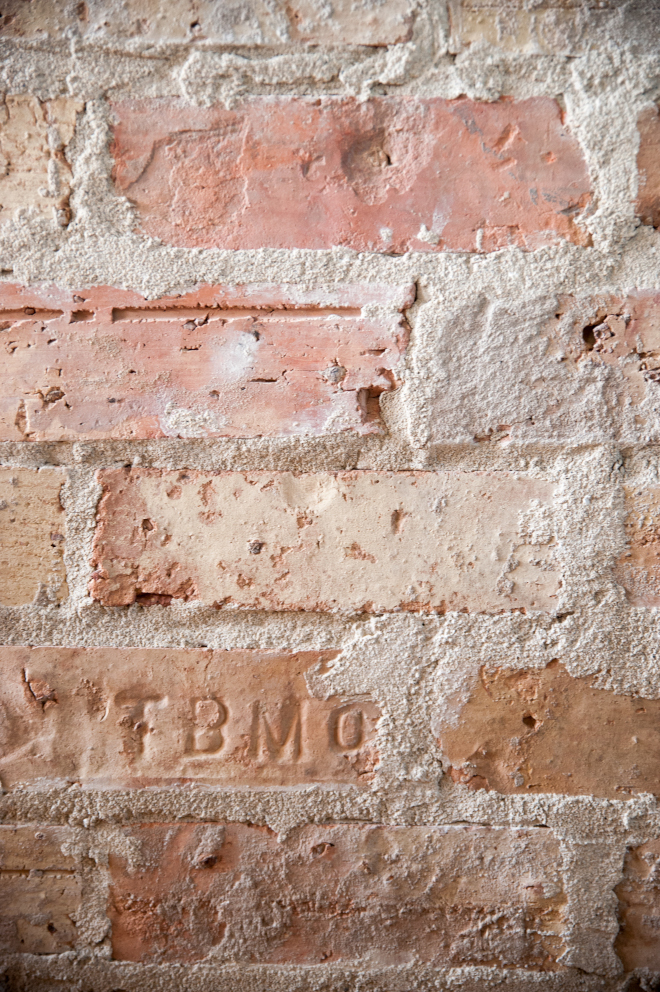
(391, 174)
(126, 717)
(40, 893)
(367, 541)
(648, 167)
(32, 536)
(544, 731)
(217, 362)
(637, 943)
(127, 23)
(451, 896)
(34, 172)
(638, 568)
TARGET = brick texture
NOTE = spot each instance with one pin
(332, 893)
(648, 159)
(40, 893)
(545, 731)
(389, 175)
(219, 362)
(638, 569)
(639, 908)
(133, 718)
(32, 536)
(365, 541)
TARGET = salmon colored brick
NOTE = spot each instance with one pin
(355, 541)
(133, 718)
(32, 536)
(393, 174)
(543, 731)
(450, 896)
(637, 943)
(217, 362)
(648, 167)
(40, 892)
(638, 569)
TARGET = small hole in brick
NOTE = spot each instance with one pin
(147, 525)
(255, 547)
(51, 928)
(531, 721)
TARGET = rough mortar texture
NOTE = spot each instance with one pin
(329, 509)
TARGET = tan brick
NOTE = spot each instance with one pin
(369, 541)
(131, 718)
(385, 895)
(392, 174)
(637, 944)
(638, 569)
(236, 22)
(217, 362)
(34, 172)
(32, 535)
(648, 167)
(40, 893)
(543, 731)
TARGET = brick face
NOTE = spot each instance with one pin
(393, 174)
(543, 731)
(136, 718)
(450, 896)
(638, 569)
(648, 157)
(32, 536)
(639, 908)
(218, 362)
(350, 541)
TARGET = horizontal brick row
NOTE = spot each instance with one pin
(131, 718)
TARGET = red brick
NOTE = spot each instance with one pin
(386, 895)
(40, 894)
(132, 718)
(392, 174)
(648, 167)
(218, 362)
(543, 731)
(351, 541)
(638, 944)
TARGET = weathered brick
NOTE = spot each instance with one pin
(217, 362)
(637, 943)
(648, 167)
(556, 368)
(34, 172)
(110, 717)
(236, 22)
(545, 731)
(638, 569)
(371, 541)
(40, 894)
(32, 535)
(386, 895)
(392, 174)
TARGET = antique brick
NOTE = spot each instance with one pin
(32, 535)
(545, 731)
(40, 893)
(556, 368)
(217, 362)
(383, 895)
(109, 717)
(637, 943)
(34, 172)
(391, 174)
(236, 22)
(648, 167)
(638, 569)
(367, 541)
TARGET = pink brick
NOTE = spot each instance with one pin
(384, 896)
(391, 174)
(216, 362)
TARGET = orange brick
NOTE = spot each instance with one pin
(350, 541)
(391, 174)
(40, 894)
(545, 731)
(637, 944)
(648, 167)
(384, 895)
(132, 718)
(32, 535)
(218, 362)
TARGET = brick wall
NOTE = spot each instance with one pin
(329, 496)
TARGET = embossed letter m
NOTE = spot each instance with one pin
(278, 739)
